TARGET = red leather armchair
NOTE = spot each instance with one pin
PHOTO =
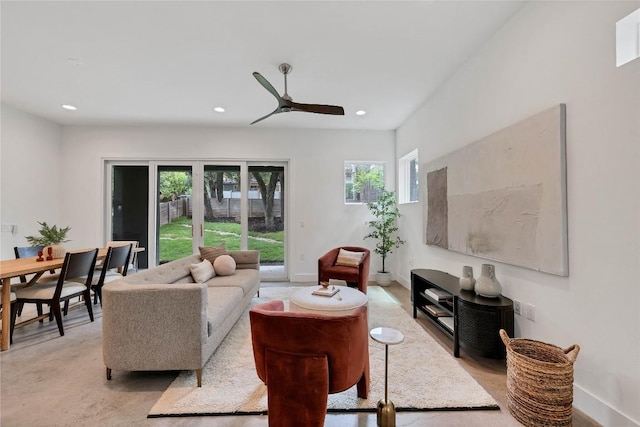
(304, 357)
(354, 276)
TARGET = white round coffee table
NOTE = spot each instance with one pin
(345, 301)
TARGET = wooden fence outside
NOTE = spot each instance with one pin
(226, 209)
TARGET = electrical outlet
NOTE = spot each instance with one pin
(516, 307)
(410, 262)
(301, 257)
(531, 312)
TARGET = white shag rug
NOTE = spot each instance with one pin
(422, 374)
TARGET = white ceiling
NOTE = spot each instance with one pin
(143, 62)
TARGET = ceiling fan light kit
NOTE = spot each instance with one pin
(285, 102)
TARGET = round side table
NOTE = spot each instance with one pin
(342, 303)
(386, 410)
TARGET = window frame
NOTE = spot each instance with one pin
(406, 193)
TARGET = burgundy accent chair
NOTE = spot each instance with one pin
(303, 357)
(355, 277)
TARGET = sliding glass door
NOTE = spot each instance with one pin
(266, 206)
(187, 204)
(222, 206)
(174, 215)
(129, 207)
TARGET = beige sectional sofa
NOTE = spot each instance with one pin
(159, 319)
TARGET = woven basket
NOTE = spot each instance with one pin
(539, 381)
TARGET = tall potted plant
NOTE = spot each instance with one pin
(50, 237)
(383, 228)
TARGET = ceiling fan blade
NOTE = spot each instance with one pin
(317, 108)
(276, 111)
(268, 86)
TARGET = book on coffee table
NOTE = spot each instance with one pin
(326, 292)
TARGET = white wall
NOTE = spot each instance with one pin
(319, 219)
(551, 53)
(29, 177)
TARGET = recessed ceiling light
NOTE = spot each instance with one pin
(69, 107)
(360, 113)
(219, 110)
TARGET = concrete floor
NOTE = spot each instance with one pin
(48, 380)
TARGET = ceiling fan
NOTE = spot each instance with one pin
(286, 104)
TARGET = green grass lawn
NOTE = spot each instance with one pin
(175, 240)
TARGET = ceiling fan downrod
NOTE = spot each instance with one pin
(285, 69)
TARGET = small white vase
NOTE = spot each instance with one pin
(487, 285)
(383, 279)
(467, 282)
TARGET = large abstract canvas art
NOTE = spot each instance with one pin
(504, 197)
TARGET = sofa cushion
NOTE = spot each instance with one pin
(172, 272)
(224, 265)
(221, 301)
(243, 279)
(349, 258)
(212, 252)
(202, 271)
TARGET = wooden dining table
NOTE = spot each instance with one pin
(21, 267)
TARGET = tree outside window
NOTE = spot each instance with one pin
(363, 181)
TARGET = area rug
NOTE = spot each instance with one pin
(422, 375)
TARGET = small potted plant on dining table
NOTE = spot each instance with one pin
(50, 237)
(383, 228)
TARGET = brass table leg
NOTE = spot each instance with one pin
(386, 408)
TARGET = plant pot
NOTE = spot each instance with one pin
(57, 251)
(383, 279)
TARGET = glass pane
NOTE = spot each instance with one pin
(222, 206)
(130, 207)
(175, 236)
(363, 182)
(266, 216)
(413, 180)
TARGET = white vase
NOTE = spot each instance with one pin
(383, 279)
(57, 251)
(487, 285)
(467, 281)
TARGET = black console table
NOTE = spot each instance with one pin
(471, 320)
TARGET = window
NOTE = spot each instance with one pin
(363, 181)
(628, 38)
(408, 178)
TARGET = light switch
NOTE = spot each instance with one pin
(7, 228)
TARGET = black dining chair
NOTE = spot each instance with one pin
(26, 252)
(76, 264)
(114, 266)
(133, 258)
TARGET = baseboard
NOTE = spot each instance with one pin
(404, 281)
(599, 410)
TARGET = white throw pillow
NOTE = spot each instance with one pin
(202, 271)
(349, 258)
(224, 265)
